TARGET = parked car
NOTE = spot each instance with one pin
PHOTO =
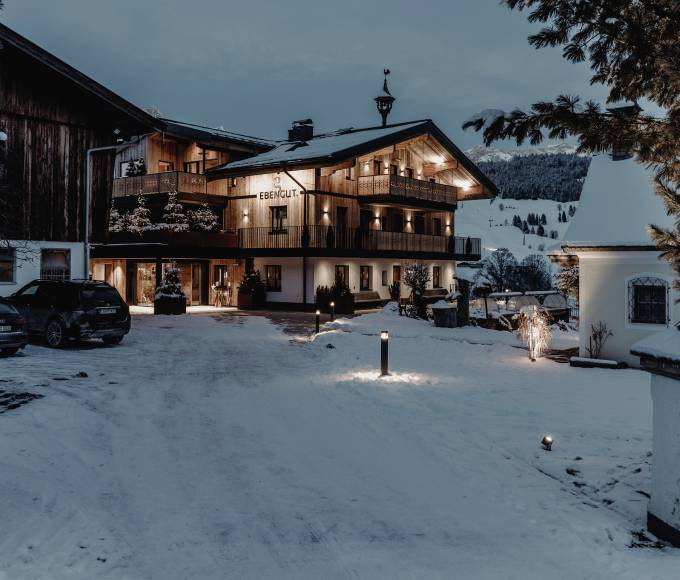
(72, 310)
(13, 330)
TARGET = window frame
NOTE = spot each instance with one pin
(383, 278)
(276, 268)
(281, 224)
(342, 268)
(633, 318)
(363, 269)
(12, 254)
(44, 276)
(436, 279)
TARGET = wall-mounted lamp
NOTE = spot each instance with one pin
(245, 213)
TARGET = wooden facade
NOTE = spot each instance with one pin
(51, 115)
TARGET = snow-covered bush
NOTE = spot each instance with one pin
(174, 218)
(203, 219)
(416, 277)
(139, 220)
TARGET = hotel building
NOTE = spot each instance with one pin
(359, 204)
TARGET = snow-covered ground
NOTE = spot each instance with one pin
(472, 219)
(220, 447)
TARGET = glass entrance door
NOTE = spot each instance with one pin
(196, 279)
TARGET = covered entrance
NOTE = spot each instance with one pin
(141, 281)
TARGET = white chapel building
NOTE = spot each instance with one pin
(623, 283)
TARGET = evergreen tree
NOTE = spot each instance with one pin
(564, 217)
(416, 277)
(203, 219)
(559, 217)
(544, 220)
(566, 281)
(540, 231)
(525, 227)
(174, 218)
(117, 221)
(632, 49)
(139, 220)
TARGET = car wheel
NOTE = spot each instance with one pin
(112, 339)
(8, 351)
(55, 334)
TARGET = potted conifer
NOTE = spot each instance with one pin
(169, 297)
(251, 291)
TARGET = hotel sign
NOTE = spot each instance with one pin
(277, 192)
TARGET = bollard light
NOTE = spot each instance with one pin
(332, 305)
(547, 442)
(318, 318)
(384, 343)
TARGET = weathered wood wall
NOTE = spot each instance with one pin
(51, 123)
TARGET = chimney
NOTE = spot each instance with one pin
(301, 130)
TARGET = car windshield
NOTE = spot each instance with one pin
(93, 297)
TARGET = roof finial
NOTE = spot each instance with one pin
(385, 101)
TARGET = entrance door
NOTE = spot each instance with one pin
(196, 278)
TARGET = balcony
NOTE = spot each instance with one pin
(406, 190)
(325, 240)
(194, 184)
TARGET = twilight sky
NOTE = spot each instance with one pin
(255, 66)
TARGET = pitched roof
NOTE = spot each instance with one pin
(338, 146)
(12, 38)
(213, 136)
(617, 204)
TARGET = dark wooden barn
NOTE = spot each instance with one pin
(50, 115)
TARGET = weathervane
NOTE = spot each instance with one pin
(385, 100)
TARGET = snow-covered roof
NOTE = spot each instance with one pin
(663, 345)
(338, 146)
(324, 145)
(617, 204)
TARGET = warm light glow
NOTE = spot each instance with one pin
(318, 312)
(332, 304)
(439, 160)
(534, 329)
(245, 213)
(384, 335)
(547, 442)
(463, 184)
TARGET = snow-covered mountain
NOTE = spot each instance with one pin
(553, 172)
(492, 222)
(481, 154)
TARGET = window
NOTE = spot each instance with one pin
(192, 167)
(419, 224)
(436, 277)
(409, 172)
(377, 165)
(648, 300)
(342, 274)
(7, 265)
(55, 265)
(273, 278)
(279, 218)
(394, 169)
(365, 276)
(436, 227)
(396, 274)
(384, 278)
(221, 276)
(165, 166)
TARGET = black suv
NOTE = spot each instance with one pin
(71, 310)
(13, 335)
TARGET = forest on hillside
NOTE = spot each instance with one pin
(557, 177)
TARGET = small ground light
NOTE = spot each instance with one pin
(547, 442)
(332, 305)
(384, 344)
(318, 317)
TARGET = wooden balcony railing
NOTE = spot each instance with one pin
(396, 186)
(357, 239)
(166, 182)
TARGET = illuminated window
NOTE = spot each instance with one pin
(365, 277)
(273, 278)
(342, 274)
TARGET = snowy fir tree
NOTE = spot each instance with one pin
(174, 218)
(171, 286)
(139, 220)
(632, 50)
(416, 277)
(566, 281)
(117, 221)
(203, 219)
(135, 167)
